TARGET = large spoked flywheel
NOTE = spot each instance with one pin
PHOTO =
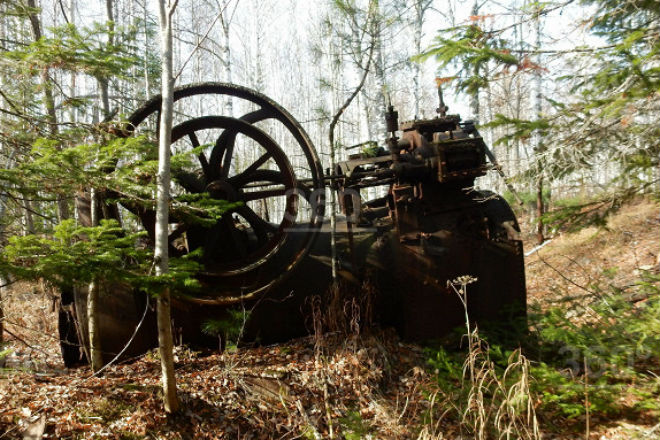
(262, 163)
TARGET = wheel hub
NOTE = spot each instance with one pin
(222, 190)
(251, 249)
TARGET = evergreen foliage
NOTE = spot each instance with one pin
(84, 50)
(606, 349)
(610, 115)
(81, 254)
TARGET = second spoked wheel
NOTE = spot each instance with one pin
(260, 168)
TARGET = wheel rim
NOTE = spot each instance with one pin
(245, 252)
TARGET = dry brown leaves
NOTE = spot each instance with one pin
(578, 265)
(362, 385)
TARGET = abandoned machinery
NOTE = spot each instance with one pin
(423, 225)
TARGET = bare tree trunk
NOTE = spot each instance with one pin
(225, 21)
(95, 352)
(3, 209)
(474, 101)
(28, 226)
(540, 208)
(518, 101)
(421, 7)
(3, 280)
(331, 141)
(95, 346)
(165, 341)
(35, 22)
(104, 84)
(74, 75)
(145, 66)
(2, 320)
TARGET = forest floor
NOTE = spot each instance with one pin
(356, 386)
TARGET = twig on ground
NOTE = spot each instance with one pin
(24, 342)
(568, 279)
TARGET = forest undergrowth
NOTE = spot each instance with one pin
(588, 368)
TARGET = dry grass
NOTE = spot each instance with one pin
(490, 404)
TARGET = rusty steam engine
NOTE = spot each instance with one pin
(273, 249)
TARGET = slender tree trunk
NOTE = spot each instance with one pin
(28, 220)
(474, 101)
(104, 84)
(372, 28)
(95, 353)
(50, 109)
(421, 7)
(35, 22)
(225, 19)
(74, 75)
(93, 326)
(331, 141)
(147, 86)
(165, 340)
(3, 280)
(93, 332)
(540, 208)
(417, 41)
(2, 320)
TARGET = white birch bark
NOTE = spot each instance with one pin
(95, 351)
(538, 144)
(165, 341)
(420, 6)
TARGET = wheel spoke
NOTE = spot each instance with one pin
(262, 160)
(256, 195)
(148, 219)
(268, 177)
(234, 235)
(260, 226)
(224, 145)
(201, 156)
(229, 152)
(255, 220)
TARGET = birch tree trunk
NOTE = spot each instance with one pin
(225, 22)
(474, 100)
(104, 83)
(420, 6)
(95, 351)
(538, 144)
(165, 341)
